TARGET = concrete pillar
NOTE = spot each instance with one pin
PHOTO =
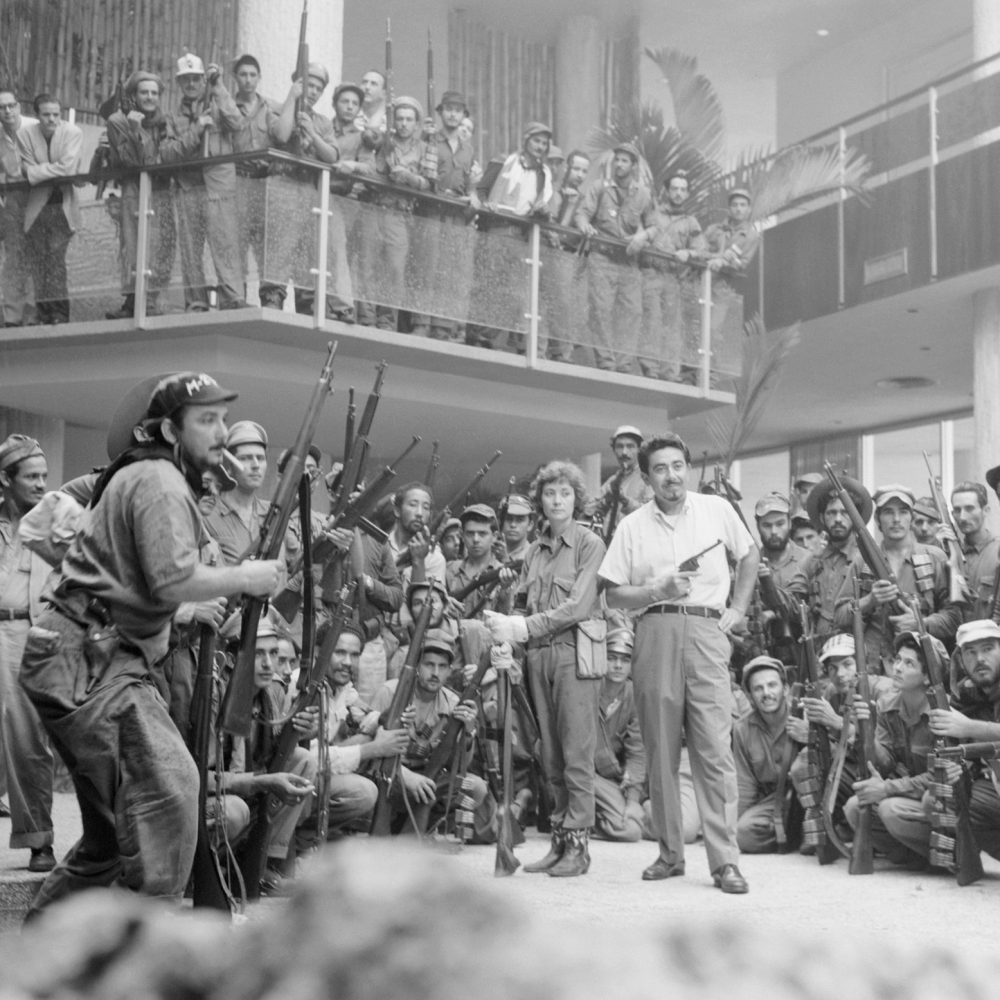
(986, 302)
(591, 468)
(269, 31)
(578, 80)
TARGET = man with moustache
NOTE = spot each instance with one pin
(23, 575)
(926, 521)
(682, 650)
(14, 276)
(980, 546)
(408, 541)
(628, 484)
(784, 561)
(827, 572)
(135, 559)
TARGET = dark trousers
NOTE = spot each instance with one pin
(46, 244)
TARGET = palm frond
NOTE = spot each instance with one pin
(764, 359)
(697, 109)
(799, 173)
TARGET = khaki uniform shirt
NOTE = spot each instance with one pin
(620, 751)
(825, 576)
(758, 753)
(980, 574)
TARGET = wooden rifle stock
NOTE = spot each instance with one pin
(953, 845)
(387, 768)
(349, 424)
(238, 702)
(433, 465)
(430, 75)
(862, 850)
(390, 96)
(485, 579)
(302, 60)
(833, 779)
(208, 888)
(506, 862)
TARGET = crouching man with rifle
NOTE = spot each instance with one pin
(87, 661)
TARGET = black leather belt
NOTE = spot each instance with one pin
(566, 638)
(684, 609)
(13, 614)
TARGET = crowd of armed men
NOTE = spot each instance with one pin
(634, 665)
(619, 258)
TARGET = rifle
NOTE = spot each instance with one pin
(834, 777)
(969, 751)
(388, 69)
(616, 500)
(302, 62)
(867, 546)
(433, 466)
(780, 816)
(817, 752)
(506, 862)
(438, 524)
(485, 579)
(430, 75)
(956, 558)
(120, 101)
(386, 770)
(352, 475)
(953, 846)
(210, 82)
(208, 887)
(237, 706)
(349, 425)
(862, 850)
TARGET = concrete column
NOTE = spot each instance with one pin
(270, 31)
(578, 80)
(986, 302)
(591, 468)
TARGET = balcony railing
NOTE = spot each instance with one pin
(300, 234)
(930, 211)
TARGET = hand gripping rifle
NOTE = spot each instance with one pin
(818, 753)
(441, 520)
(386, 770)
(953, 846)
(862, 850)
(870, 552)
(506, 862)
(237, 706)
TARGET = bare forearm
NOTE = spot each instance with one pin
(629, 597)
(746, 579)
(205, 583)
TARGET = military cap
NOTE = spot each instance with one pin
(131, 412)
(452, 522)
(246, 432)
(452, 97)
(983, 628)
(800, 520)
(739, 193)
(141, 76)
(285, 452)
(901, 637)
(319, 72)
(266, 629)
(189, 64)
(185, 389)
(620, 639)
(630, 149)
(759, 663)
(478, 512)
(413, 587)
(537, 128)
(894, 491)
(993, 478)
(825, 490)
(438, 641)
(840, 644)
(772, 503)
(810, 478)
(519, 505)
(342, 88)
(555, 153)
(627, 430)
(925, 506)
(409, 102)
(16, 448)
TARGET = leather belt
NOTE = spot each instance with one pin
(684, 609)
(13, 614)
(566, 638)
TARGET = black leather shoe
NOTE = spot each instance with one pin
(43, 859)
(661, 869)
(728, 879)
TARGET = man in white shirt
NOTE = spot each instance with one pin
(682, 650)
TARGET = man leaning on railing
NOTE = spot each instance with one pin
(14, 277)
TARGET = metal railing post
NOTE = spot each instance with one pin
(323, 249)
(142, 252)
(841, 267)
(932, 115)
(705, 351)
(532, 316)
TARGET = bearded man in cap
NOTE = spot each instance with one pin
(666, 341)
(447, 256)
(784, 562)
(23, 574)
(975, 715)
(134, 140)
(920, 571)
(616, 208)
(408, 162)
(628, 485)
(236, 518)
(87, 661)
(206, 196)
(827, 572)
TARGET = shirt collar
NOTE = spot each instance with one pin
(568, 537)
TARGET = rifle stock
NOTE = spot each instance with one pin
(862, 850)
(238, 701)
(386, 770)
(506, 862)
